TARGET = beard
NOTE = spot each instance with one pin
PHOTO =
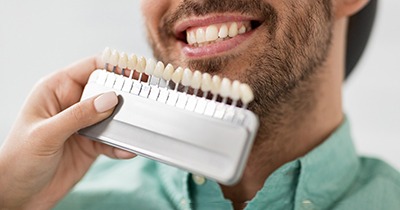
(294, 45)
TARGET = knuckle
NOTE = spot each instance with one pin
(43, 81)
(36, 132)
(40, 140)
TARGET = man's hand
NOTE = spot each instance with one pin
(43, 157)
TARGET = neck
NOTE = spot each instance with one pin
(300, 129)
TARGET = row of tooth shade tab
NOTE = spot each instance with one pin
(196, 80)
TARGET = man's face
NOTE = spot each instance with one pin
(270, 44)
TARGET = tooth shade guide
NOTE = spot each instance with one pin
(150, 114)
(194, 84)
(158, 108)
(189, 90)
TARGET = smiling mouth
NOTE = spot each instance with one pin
(206, 37)
(202, 36)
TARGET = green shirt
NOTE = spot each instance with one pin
(331, 176)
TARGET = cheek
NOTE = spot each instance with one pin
(153, 6)
(153, 11)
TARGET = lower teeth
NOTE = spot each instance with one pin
(208, 43)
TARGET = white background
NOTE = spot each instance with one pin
(38, 37)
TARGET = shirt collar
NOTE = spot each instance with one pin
(328, 171)
(316, 180)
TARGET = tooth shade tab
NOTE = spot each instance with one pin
(246, 94)
(196, 80)
(168, 71)
(187, 77)
(132, 62)
(141, 64)
(206, 82)
(226, 88)
(159, 70)
(106, 55)
(235, 94)
(123, 60)
(114, 58)
(150, 66)
(177, 75)
(215, 84)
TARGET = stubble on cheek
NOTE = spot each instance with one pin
(293, 45)
(289, 66)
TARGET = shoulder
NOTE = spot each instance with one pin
(372, 169)
(377, 186)
(119, 184)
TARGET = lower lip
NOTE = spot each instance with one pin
(216, 48)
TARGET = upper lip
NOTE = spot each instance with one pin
(183, 25)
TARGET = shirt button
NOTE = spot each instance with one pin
(184, 204)
(308, 205)
(183, 201)
(199, 180)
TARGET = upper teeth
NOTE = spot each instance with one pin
(216, 32)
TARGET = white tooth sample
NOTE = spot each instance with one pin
(206, 82)
(123, 60)
(141, 64)
(168, 71)
(196, 80)
(191, 37)
(106, 55)
(150, 66)
(233, 30)
(177, 75)
(114, 58)
(226, 88)
(215, 84)
(235, 94)
(246, 94)
(223, 31)
(132, 62)
(159, 70)
(242, 30)
(187, 77)
(200, 36)
(211, 33)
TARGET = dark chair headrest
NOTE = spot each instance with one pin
(359, 31)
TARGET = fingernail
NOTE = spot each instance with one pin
(105, 102)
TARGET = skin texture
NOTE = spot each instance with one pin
(297, 73)
(293, 61)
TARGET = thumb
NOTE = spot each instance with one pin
(81, 115)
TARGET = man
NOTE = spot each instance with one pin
(291, 52)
